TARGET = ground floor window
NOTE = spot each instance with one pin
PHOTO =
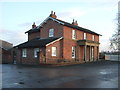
(54, 51)
(73, 52)
(36, 50)
(24, 52)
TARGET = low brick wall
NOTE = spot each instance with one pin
(112, 57)
(67, 63)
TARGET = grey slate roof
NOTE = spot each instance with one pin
(37, 42)
(78, 27)
(33, 30)
(65, 24)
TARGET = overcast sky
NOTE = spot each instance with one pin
(97, 15)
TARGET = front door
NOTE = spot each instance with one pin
(42, 57)
(14, 57)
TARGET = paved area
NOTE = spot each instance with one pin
(101, 74)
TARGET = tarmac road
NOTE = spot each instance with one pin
(100, 74)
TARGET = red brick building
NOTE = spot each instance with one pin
(56, 41)
(6, 52)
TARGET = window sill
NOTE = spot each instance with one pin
(54, 56)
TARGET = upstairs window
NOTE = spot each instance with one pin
(54, 51)
(73, 52)
(73, 34)
(36, 50)
(85, 36)
(93, 37)
(24, 52)
(51, 32)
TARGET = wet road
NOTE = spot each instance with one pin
(102, 74)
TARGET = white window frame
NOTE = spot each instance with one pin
(73, 52)
(24, 52)
(54, 51)
(73, 34)
(36, 50)
(85, 36)
(51, 32)
(93, 37)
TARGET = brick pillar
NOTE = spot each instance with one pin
(98, 52)
(94, 53)
(85, 52)
(90, 53)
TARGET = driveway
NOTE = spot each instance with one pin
(100, 74)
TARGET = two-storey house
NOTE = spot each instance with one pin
(55, 41)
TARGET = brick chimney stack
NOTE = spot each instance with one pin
(53, 15)
(33, 26)
(75, 22)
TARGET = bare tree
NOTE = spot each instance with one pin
(115, 40)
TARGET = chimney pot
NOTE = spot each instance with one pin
(33, 26)
(53, 15)
(33, 23)
(75, 22)
(51, 12)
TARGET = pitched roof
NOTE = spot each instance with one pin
(33, 30)
(63, 23)
(37, 42)
(77, 27)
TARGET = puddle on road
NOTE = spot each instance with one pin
(19, 83)
(103, 72)
(16, 83)
(19, 72)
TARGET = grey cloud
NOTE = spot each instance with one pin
(12, 36)
(25, 24)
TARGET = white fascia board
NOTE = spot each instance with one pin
(56, 20)
(54, 41)
(51, 19)
(43, 22)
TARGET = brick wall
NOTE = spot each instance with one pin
(58, 29)
(81, 53)
(54, 59)
(44, 32)
(33, 35)
(88, 53)
(5, 44)
(68, 43)
(67, 33)
(89, 36)
(7, 56)
(97, 38)
(96, 54)
(79, 34)
(30, 59)
(18, 56)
